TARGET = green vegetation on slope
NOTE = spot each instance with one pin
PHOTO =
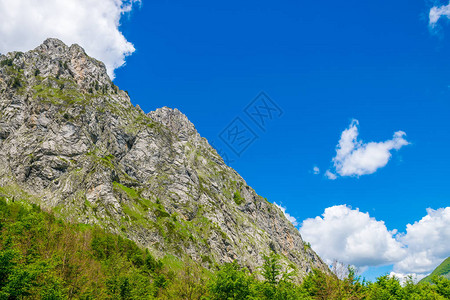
(238, 199)
(42, 257)
(442, 270)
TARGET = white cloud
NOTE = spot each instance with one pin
(330, 175)
(288, 216)
(351, 237)
(355, 238)
(93, 24)
(316, 170)
(355, 158)
(404, 277)
(437, 12)
(428, 242)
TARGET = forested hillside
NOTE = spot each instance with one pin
(442, 270)
(42, 257)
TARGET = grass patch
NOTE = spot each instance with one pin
(238, 199)
(132, 194)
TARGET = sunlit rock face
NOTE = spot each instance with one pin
(72, 142)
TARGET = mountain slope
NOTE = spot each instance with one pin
(72, 142)
(442, 270)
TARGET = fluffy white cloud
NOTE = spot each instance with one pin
(93, 24)
(437, 12)
(352, 237)
(316, 170)
(428, 242)
(288, 216)
(355, 238)
(404, 277)
(330, 175)
(355, 158)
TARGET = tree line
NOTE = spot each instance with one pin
(42, 257)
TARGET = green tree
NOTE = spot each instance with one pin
(386, 287)
(8, 261)
(277, 284)
(442, 285)
(318, 285)
(271, 269)
(231, 282)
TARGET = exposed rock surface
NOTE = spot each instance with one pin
(73, 142)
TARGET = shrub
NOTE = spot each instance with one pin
(6, 62)
(231, 282)
(237, 198)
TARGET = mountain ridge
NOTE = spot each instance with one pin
(442, 270)
(71, 141)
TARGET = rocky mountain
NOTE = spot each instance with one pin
(72, 142)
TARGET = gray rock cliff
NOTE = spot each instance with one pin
(72, 142)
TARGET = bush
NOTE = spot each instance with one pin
(231, 282)
(237, 198)
(6, 62)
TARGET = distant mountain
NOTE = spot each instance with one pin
(442, 270)
(73, 143)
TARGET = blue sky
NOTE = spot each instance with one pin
(324, 64)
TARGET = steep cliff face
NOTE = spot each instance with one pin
(71, 141)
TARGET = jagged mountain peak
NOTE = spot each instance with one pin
(176, 121)
(73, 143)
(55, 59)
(53, 46)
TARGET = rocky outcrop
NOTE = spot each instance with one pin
(71, 141)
